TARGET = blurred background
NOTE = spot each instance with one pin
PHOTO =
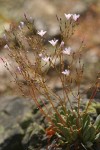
(13, 111)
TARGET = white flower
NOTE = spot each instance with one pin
(68, 16)
(66, 72)
(46, 59)
(67, 51)
(75, 17)
(53, 42)
(41, 33)
(31, 19)
(4, 36)
(22, 24)
(40, 54)
(19, 27)
(6, 47)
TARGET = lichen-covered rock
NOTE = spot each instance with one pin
(34, 136)
(16, 114)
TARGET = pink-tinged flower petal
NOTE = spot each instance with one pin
(53, 42)
(75, 17)
(66, 72)
(68, 16)
(62, 44)
(41, 33)
(67, 51)
(46, 59)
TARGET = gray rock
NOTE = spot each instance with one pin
(34, 136)
(80, 7)
(46, 10)
(96, 96)
(16, 114)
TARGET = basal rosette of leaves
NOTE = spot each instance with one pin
(76, 128)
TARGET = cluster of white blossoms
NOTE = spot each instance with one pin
(52, 42)
(74, 16)
(66, 50)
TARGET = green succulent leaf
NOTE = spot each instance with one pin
(86, 121)
(85, 136)
(74, 121)
(60, 126)
(75, 135)
(62, 111)
(89, 144)
(89, 134)
(74, 127)
(67, 134)
(98, 136)
(92, 131)
(57, 118)
(97, 122)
